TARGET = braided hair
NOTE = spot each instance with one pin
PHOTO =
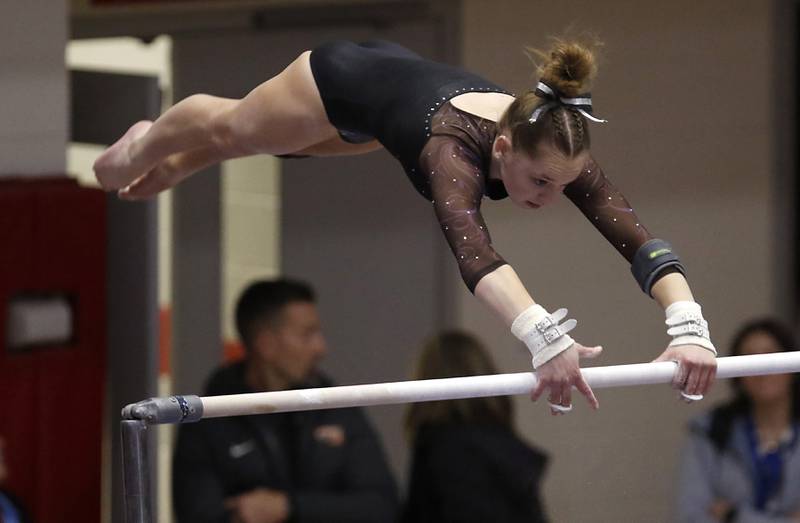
(568, 68)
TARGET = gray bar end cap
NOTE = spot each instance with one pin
(174, 409)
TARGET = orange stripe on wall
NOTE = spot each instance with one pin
(232, 350)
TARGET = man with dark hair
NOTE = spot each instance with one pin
(316, 466)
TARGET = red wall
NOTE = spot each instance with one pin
(51, 397)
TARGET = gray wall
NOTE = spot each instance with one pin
(691, 142)
(33, 80)
(686, 86)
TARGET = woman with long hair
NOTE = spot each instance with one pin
(742, 461)
(468, 462)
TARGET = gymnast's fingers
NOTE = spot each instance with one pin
(584, 388)
(537, 391)
(589, 352)
(146, 186)
(556, 398)
(702, 365)
(693, 378)
(712, 376)
(566, 395)
(707, 378)
(702, 382)
(710, 367)
(679, 376)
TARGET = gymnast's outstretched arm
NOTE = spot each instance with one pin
(503, 292)
(457, 186)
(658, 271)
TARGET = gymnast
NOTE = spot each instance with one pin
(459, 138)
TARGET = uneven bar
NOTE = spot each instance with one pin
(477, 386)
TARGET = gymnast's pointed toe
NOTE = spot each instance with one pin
(113, 168)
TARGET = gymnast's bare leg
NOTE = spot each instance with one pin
(283, 115)
(179, 166)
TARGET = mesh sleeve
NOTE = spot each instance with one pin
(457, 183)
(608, 210)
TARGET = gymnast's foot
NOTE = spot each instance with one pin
(112, 168)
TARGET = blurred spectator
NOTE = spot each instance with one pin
(742, 461)
(10, 509)
(318, 466)
(468, 464)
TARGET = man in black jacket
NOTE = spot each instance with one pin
(316, 466)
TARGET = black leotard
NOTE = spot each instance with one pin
(379, 90)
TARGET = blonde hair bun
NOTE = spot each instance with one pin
(568, 67)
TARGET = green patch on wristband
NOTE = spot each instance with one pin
(656, 254)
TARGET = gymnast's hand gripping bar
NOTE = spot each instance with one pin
(180, 409)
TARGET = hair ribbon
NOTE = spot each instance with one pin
(582, 103)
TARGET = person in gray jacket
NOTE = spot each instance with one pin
(742, 460)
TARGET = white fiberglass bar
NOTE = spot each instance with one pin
(477, 386)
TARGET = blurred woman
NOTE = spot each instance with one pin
(742, 463)
(468, 464)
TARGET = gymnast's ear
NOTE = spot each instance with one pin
(502, 145)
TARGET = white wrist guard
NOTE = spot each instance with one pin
(686, 325)
(542, 334)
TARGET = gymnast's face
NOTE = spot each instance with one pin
(292, 347)
(534, 181)
(764, 390)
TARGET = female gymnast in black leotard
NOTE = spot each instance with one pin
(459, 138)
